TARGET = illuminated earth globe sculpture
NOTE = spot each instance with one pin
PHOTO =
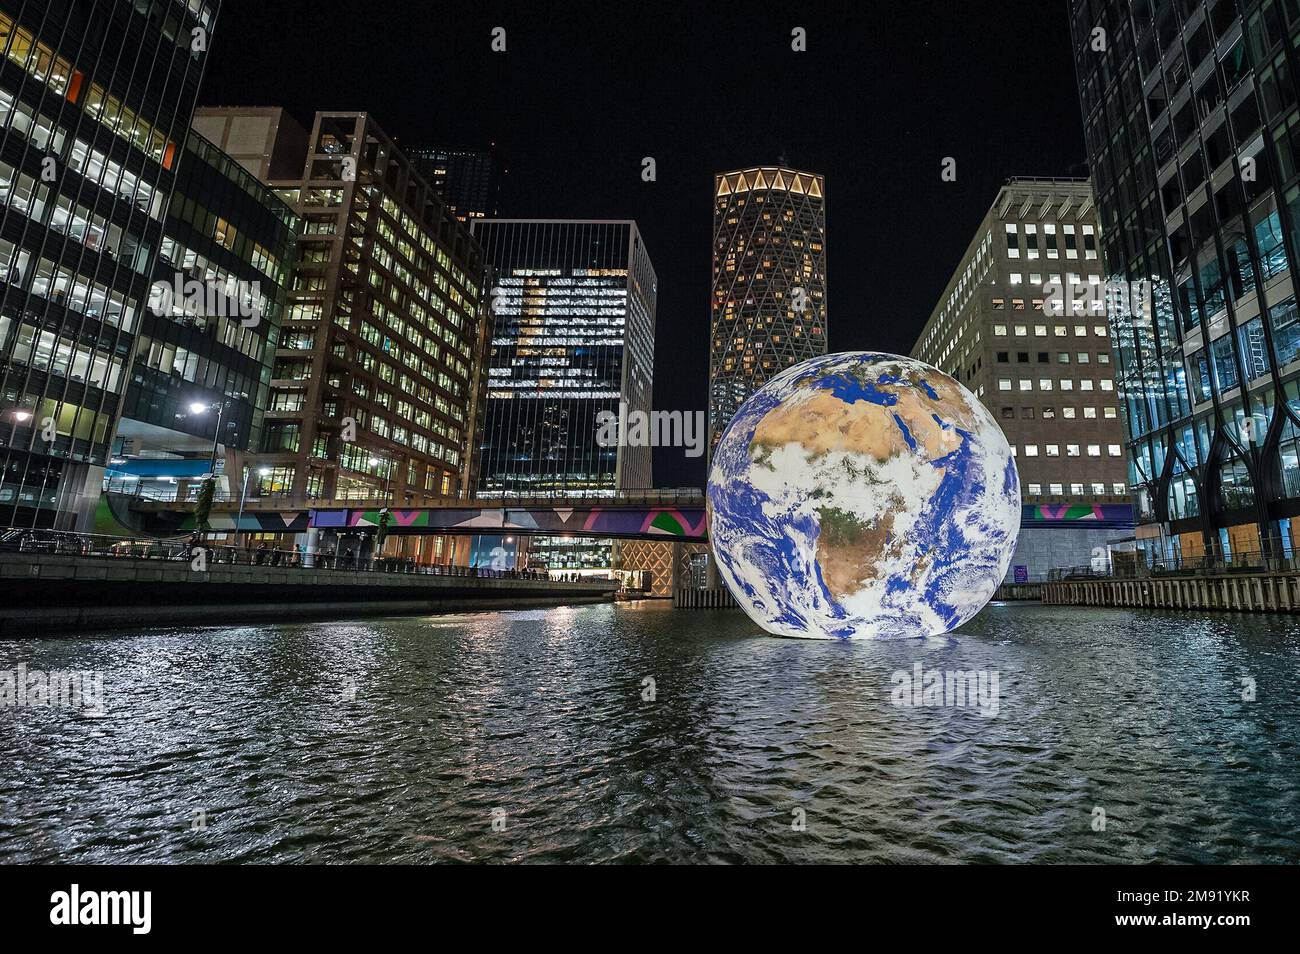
(863, 495)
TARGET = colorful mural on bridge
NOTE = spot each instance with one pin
(687, 523)
(1112, 515)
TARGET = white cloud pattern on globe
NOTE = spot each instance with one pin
(862, 495)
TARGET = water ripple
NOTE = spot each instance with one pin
(524, 736)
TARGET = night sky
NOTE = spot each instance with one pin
(884, 92)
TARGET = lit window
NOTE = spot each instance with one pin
(1026, 385)
(1094, 450)
(1109, 413)
(1044, 384)
(1090, 413)
(1021, 331)
(1040, 331)
(1067, 384)
(1067, 412)
(1114, 450)
(1049, 413)
(1083, 357)
(1053, 450)
(1080, 331)
(1015, 278)
(1107, 384)
(1035, 489)
(1099, 330)
(1055, 489)
(1118, 488)
(1059, 331)
(1031, 450)
(1071, 450)
(1000, 331)
(1098, 489)
(1004, 384)
(1076, 489)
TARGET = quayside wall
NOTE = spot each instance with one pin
(1262, 592)
(45, 593)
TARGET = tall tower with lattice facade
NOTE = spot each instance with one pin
(769, 282)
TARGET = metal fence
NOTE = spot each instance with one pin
(191, 549)
(1137, 566)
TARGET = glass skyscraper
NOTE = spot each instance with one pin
(769, 282)
(88, 154)
(230, 240)
(1192, 123)
(573, 306)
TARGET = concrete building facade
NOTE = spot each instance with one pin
(1022, 325)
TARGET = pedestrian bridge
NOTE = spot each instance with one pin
(643, 515)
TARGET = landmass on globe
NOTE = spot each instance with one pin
(862, 495)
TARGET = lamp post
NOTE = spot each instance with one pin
(208, 491)
(388, 470)
(243, 491)
(199, 407)
(22, 416)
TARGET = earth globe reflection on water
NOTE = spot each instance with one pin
(863, 495)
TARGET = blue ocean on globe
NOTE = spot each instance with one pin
(863, 495)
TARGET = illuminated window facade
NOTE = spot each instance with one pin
(232, 234)
(573, 335)
(769, 282)
(1044, 370)
(89, 143)
(1192, 122)
(374, 380)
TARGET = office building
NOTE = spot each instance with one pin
(371, 396)
(209, 333)
(573, 336)
(769, 282)
(88, 160)
(1022, 325)
(468, 180)
(1192, 123)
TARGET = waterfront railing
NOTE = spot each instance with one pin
(1137, 566)
(190, 549)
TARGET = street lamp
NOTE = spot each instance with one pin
(22, 416)
(243, 490)
(209, 489)
(388, 470)
(198, 407)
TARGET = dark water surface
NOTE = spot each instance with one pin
(404, 739)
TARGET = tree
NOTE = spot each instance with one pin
(203, 506)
